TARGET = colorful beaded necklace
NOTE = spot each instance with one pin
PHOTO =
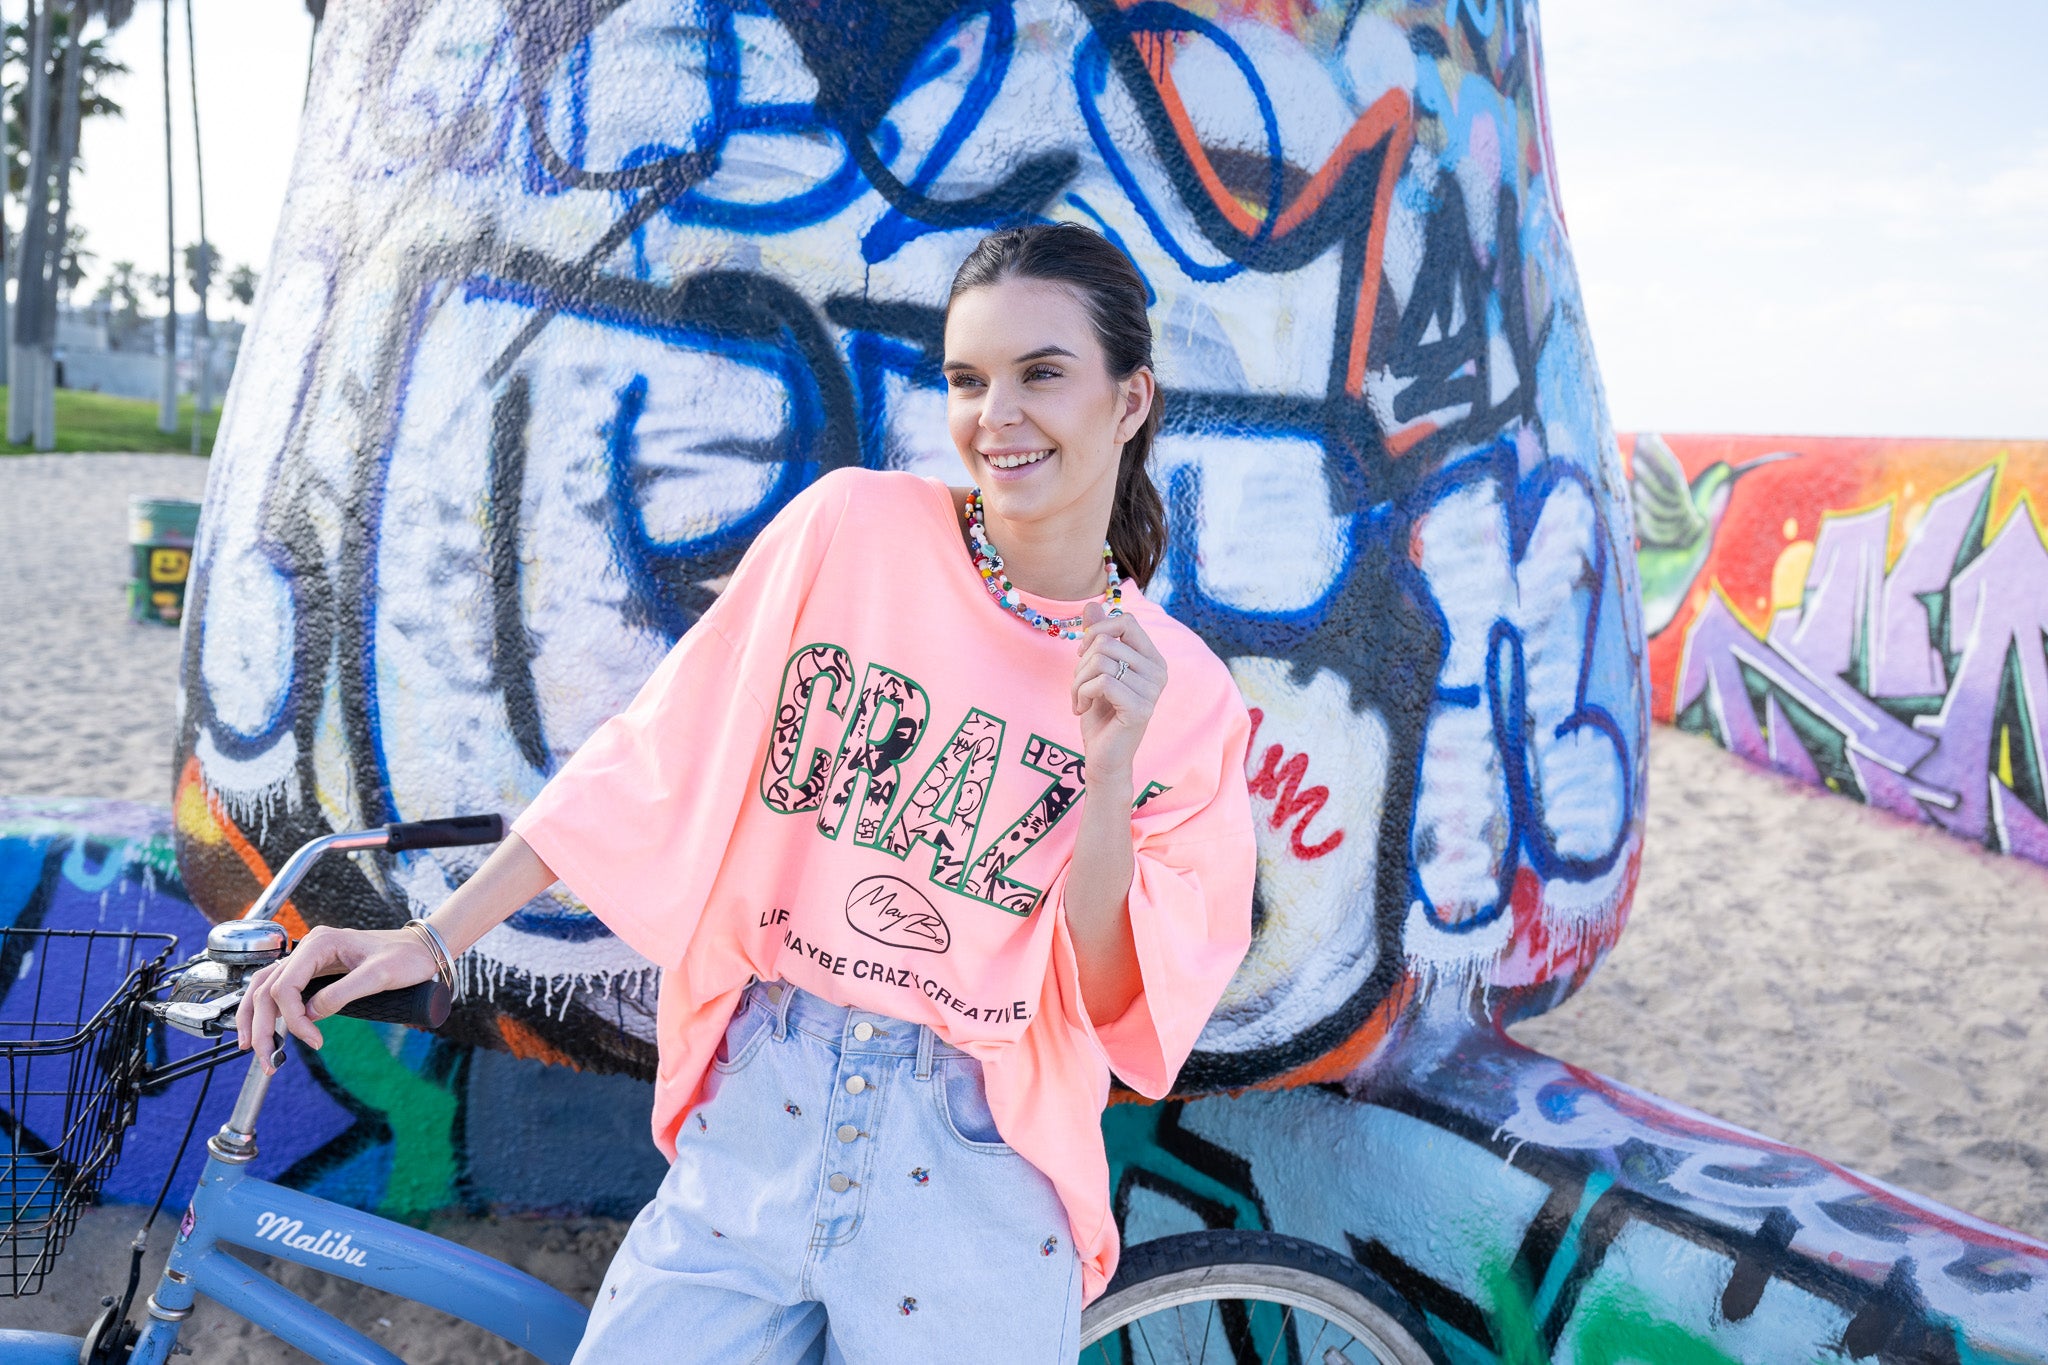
(1005, 593)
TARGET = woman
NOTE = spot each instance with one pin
(904, 943)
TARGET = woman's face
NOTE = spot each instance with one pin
(1032, 409)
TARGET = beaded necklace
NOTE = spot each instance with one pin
(1005, 593)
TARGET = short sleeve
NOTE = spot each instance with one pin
(637, 821)
(1190, 907)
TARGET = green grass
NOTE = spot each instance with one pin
(101, 422)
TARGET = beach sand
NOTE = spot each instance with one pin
(88, 698)
(1867, 989)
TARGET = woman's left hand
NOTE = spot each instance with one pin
(1116, 685)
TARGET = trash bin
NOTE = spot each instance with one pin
(160, 533)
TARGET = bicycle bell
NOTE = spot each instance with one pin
(246, 941)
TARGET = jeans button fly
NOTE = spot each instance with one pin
(847, 1132)
(856, 1084)
(839, 1184)
(863, 1031)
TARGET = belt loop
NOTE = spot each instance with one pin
(924, 1052)
(780, 994)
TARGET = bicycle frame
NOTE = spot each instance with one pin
(231, 1208)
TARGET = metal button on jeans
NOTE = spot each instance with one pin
(839, 1184)
(847, 1132)
(856, 1084)
(863, 1031)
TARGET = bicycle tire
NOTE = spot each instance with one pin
(1224, 1265)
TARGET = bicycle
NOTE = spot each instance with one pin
(84, 1067)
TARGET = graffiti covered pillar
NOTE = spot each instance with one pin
(568, 300)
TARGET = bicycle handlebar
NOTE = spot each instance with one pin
(424, 1006)
(457, 831)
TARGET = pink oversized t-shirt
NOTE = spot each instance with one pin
(857, 773)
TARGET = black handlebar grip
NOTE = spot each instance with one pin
(457, 831)
(424, 1006)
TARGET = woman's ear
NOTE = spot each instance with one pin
(1138, 393)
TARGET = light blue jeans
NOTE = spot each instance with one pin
(841, 1194)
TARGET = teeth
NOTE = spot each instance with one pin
(1018, 461)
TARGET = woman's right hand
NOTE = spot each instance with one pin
(371, 960)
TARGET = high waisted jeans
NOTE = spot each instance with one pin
(841, 1194)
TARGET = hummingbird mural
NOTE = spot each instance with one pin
(1676, 521)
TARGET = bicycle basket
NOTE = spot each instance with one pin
(73, 1040)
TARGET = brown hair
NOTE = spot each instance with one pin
(1109, 285)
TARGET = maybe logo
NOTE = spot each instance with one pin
(892, 911)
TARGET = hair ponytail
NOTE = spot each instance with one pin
(1137, 522)
(1114, 293)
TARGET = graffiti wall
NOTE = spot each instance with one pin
(379, 1118)
(1863, 615)
(568, 299)
(1529, 1211)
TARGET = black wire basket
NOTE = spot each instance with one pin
(73, 1053)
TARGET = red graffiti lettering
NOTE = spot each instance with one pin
(1279, 780)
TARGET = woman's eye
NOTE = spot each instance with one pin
(1041, 372)
(962, 381)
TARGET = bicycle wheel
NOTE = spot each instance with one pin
(1230, 1297)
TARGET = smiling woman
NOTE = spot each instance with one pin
(1096, 929)
(1052, 401)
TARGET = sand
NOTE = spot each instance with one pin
(88, 698)
(1865, 988)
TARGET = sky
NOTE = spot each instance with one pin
(1800, 217)
(1809, 217)
(252, 77)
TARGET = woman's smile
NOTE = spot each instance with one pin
(1011, 465)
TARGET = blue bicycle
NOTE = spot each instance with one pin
(74, 1066)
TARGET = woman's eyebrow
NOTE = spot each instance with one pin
(1041, 353)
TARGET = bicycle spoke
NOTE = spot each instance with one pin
(1150, 1354)
(1207, 1323)
(1278, 1336)
(1308, 1352)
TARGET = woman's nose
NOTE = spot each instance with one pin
(999, 408)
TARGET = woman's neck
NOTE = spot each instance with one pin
(1059, 561)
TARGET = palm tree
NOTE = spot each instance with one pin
(76, 261)
(167, 391)
(122, 292)
(202, 343)
(59, 231)
(24, 361)
(97, 74)
(16, 44)
(46, 194)
(242, 282)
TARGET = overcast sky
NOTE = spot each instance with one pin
(1789, 216)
